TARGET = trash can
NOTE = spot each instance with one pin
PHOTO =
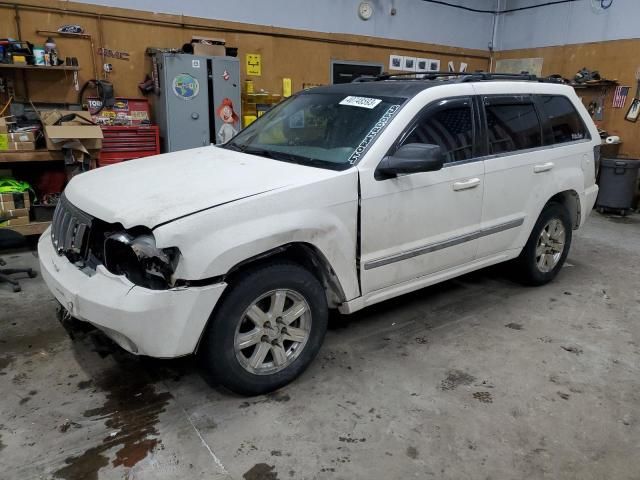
(617, 184)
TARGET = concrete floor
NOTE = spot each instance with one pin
(477, 378)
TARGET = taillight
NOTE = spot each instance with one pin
(597, 154)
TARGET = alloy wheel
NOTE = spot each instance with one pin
(550, 245)
(272, 332)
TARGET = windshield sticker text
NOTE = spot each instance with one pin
(362, 102)
(380, 124)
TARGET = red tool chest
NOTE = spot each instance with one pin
(126, 143)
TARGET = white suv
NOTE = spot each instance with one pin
(338, 198)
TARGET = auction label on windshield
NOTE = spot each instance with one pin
(362, 102)
(377, 128)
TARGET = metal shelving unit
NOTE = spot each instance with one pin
(42, 68)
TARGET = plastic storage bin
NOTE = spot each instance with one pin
(618, 179)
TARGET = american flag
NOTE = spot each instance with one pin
(620, 96)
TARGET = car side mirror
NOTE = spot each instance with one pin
(411, 158)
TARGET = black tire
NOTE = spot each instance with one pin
(527, 264)
(218, 353)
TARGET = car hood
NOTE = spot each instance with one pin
(156, 190)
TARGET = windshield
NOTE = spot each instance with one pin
(327, 130)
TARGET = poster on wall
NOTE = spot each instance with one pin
(425, 65)
(254, 64)
(409, 64)
(396, 62)
(422, 66)
(532, 66)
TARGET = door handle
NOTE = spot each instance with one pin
(545, 167)
(466, 185)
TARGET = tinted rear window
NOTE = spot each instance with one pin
(564, 121)
(512, 127)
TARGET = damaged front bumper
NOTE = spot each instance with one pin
(158, 323)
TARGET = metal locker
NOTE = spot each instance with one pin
(225, 81)
(199, 101)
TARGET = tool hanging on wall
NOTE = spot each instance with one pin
(104, 90)
(599, 113)
(633, 114)
(155, 75)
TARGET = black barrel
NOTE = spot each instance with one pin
(618, 179)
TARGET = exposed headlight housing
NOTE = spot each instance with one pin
(135, 255)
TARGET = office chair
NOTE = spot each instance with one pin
(12, 239)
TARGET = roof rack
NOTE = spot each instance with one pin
(461, 77)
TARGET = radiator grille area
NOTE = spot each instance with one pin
(70, 231)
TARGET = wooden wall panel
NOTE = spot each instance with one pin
(614, 60)
(302, 56)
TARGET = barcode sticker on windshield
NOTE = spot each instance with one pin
(362, 102)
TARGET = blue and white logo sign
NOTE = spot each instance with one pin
(185, 86)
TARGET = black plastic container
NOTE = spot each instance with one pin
(42, 213)
(618, 178)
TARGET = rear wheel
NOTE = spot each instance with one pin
(267, 330)
(548, 246)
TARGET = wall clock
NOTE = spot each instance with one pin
(365, 10)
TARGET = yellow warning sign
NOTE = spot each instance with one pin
(254, 64)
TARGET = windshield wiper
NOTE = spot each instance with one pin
(289, 157)
(315, 162)
(275, 155)
(234, 146)
(261, 152)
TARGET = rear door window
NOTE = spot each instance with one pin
(562, 119)
(512, 124)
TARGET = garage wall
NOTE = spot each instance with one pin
(567, 23)
(572, 39)
(415, 20)
(303, 56)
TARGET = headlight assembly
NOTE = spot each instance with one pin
(136, 256)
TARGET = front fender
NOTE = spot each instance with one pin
(215, 241)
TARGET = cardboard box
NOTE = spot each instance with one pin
(213, 47)
(16, 213)
(57, 135)
(5, 122)
(17, 145)
(15, 222)
(21, 137)
(14, 201)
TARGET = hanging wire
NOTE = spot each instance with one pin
(602, 5)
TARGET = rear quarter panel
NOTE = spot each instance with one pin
(573, 170)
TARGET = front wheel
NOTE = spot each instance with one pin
(548, 246)
(267, 330)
